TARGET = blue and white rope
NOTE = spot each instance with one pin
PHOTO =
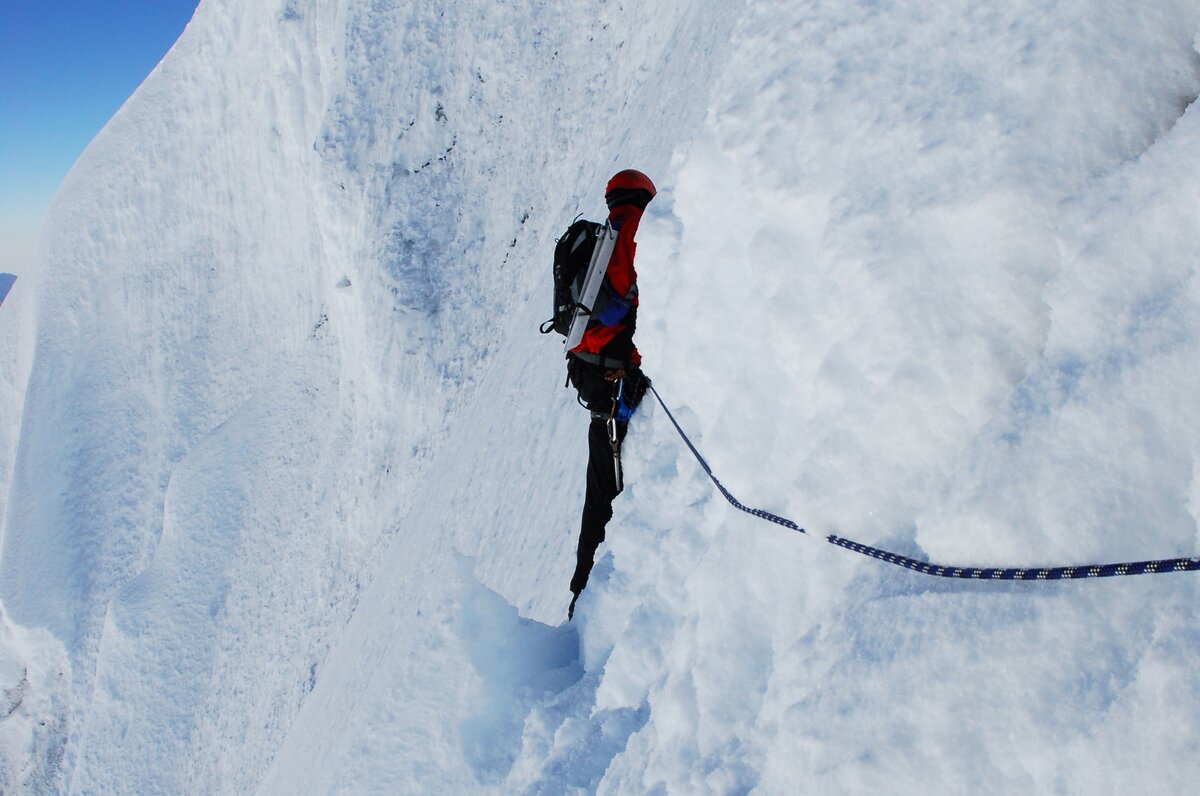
(925, 568)
(1026, 573)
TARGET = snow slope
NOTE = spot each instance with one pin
(292, 499)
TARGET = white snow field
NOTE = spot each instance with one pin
(291, 483)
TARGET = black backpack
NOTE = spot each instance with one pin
(572, 253)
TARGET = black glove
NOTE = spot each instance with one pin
(636, 384)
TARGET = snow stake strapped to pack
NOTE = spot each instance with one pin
(964, 573)
(580, 262)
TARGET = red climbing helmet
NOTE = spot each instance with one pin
(632, 180)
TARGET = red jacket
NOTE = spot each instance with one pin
(616, 341)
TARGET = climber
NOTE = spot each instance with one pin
(605, 369)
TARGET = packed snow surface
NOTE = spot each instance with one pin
(291, 485)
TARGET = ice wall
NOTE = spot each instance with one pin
(271, 285)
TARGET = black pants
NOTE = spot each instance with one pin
(603, 485)
(603, 471)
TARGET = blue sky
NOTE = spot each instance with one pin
(66, 66)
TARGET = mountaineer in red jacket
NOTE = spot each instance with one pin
(605, 368)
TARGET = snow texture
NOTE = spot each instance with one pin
(6, 283)
(290, 483)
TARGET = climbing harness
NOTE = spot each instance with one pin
(607, 363)
(924, 567)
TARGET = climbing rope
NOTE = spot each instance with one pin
(926, 568)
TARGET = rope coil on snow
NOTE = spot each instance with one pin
(1155, 567)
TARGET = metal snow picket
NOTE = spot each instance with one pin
(925, 568)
